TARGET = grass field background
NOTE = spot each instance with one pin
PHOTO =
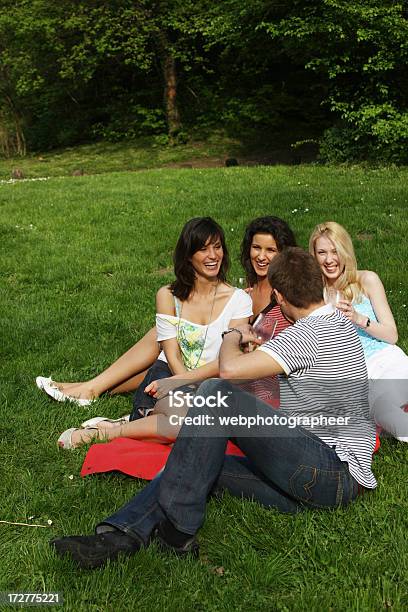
(82, 258)
(103, 157)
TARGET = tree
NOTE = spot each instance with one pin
(143, 36)
(12, 139)
(360, 49)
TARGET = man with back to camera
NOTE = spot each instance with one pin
(315, 452)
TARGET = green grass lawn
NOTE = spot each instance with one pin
(82, 258)
(101, 157)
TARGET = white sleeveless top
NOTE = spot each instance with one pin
(200, 344)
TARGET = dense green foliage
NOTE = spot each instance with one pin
(360, 49)
(282, 71)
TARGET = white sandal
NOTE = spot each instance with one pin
(92, 423)
(65, 439)
(50, 388)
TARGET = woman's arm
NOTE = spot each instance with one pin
(211, 369)
(165, 305)
(384, 328)
(159, 388)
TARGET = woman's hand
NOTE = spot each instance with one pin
(346, 308)
(162, 387)
(349, 312)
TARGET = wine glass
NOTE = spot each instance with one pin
(333, 296)
(264, 327)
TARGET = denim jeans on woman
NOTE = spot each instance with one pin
(289, 469)
(143, 403)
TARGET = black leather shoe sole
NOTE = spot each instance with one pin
(91, 552)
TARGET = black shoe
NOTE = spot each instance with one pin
(93, 551)
(188, 547)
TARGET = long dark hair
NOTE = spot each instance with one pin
(193, 237)
(277, 228)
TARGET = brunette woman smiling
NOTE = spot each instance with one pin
(264, 238)
(192, 313)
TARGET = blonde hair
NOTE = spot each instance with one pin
(348, 282)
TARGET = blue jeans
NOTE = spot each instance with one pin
(143, 403)
(289, 469)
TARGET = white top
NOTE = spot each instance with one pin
(200, 344)
(326, 378)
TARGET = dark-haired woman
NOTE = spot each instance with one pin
(264, 238)
(191, 315)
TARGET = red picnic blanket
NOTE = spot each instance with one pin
(132, 457)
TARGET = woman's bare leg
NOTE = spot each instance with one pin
(153, 428)
(136, 360)
(129, 385)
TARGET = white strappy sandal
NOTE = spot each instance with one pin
(65, 439)
(91, 423)
(49, 387)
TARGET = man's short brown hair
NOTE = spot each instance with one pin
(297, 276)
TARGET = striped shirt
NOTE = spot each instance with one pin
(326, 386)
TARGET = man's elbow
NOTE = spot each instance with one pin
(227, 372)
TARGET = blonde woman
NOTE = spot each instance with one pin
(360, 295)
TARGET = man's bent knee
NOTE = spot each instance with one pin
(212, 385)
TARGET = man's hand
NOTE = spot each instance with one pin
(234, 365)
(249, 337)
